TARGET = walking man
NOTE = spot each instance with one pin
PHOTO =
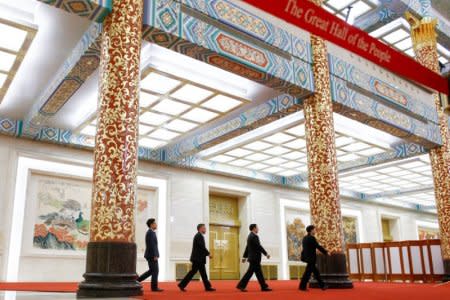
(309, 256)
(253, 253)
(151, 255)
(198, 259)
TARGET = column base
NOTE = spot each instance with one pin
(446, 277)
(110, 271)
(333, 270)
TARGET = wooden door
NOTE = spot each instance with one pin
(224, 246)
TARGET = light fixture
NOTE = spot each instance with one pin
(257, 166)
(163, 134)
(258, 145)
(181, 125)
(11, 38)
(158, 83)
(278, 138)
(153, 119)
(170, 107)
(276, 150)
(6, 61)
(258, 157)
(191, 93)
(144, 129)
(150, 143)
(396, 36)
(222, 103)
(222, 158)
(200, 115)
(239, 152)
(147, 99)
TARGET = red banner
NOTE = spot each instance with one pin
(317, 21)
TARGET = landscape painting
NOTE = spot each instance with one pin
(63, 212)
(296, 222)
(63, 207)
(426, 233)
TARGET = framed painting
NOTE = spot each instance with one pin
(296, 222)
(350, 227)
(427, 233)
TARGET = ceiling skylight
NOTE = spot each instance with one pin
(350, 8)
(11, 38)
(15, 40)
(171, 106)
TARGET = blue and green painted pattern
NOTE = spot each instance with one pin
(95, 10)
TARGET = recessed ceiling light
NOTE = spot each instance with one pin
(279, 138)
(276, 150)
(257, 166)
(275, 161)
(405, 44)
(257, 146)
(200, 115)
(359, 8)
(2, 79)
(170, 107)
(294, 155)
(163, 134)
(239, 152)
(11, 38)
(147, 99)
(153, 118)
(240, 162)
(6, 61)
(371, 151)
(348, 157)
(191, 93)
(89, 130)
(222, 103)
(222, 158)
(158, 83)
(341, 141)
(296, 144)
(298, 130)
(150, 143)
(258, 157)
(181, 126)
(339, 4)
(144, 129)
(396, 36)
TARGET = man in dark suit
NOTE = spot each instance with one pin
(198, 259)
(309, 256)
(253, 253)
(151, 255)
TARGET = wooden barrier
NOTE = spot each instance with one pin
(396, 261)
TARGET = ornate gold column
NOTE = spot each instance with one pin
(323, 174)
(424, 37)
(111, 254)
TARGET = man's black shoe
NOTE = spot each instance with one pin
(210, 289)
(157, 290)
(266, 290)
(241, 289)
(181, 288)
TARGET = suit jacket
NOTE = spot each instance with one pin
(309, 245)
(199, 251)
(151, 245)
(254, 249)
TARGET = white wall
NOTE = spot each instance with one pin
(187, 205)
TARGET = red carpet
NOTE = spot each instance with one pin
(283, 290)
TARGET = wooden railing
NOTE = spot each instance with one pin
(396, 261)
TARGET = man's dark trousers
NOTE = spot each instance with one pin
(196, 267)
(153, 270)
(254, 267)
(310, 269)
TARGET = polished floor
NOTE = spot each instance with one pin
(283, 290)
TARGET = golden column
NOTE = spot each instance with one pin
(424, 38)
(323, 173)
(111, 253)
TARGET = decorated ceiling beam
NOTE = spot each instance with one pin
(240, 123)
(81, 64)
(284, 65)
(95, 10)
(390, 10)
(400, 151)
(372, 101)
(397, 193)
(16, 128)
